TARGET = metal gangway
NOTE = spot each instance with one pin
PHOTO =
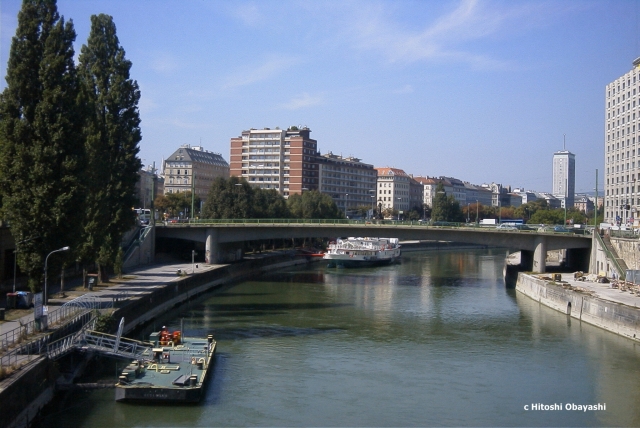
(107, 344)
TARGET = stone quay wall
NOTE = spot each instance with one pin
(612, 316)
(25, 393)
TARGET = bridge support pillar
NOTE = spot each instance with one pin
(540, 255)
(212, 249)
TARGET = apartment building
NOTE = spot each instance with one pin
(622, 148)
(193, 168)
(284, 160)
(393, 189)
(350, 182)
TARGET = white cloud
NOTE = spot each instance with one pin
(248, 13)
(163, 62)
(444, 39)
(253, 74)
(302, 101)
(406, 89)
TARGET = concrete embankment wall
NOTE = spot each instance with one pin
(25, 393)
(147, 307)
(615, 317)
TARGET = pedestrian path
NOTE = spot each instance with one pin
(605, 291)
(134, 282)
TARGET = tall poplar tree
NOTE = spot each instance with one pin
(41, 149)
(112, 134)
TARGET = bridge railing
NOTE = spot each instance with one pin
(373, 223)
(610, 256)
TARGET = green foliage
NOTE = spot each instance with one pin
(548, 216)
(236, 198)
(106, 323)
(112, 133)
(313, 204)
(445, 208)
(41, 146)
(175, 203)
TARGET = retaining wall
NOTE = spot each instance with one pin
(24, 394)
(612, 316)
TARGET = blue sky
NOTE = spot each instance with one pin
(483, 91)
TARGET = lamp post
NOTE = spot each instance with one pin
(468, 205)
(346, 204)
(237, 197)
(477, 211)
(373, 203)
(45, 270)
(595, 207)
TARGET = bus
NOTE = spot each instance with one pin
(143, 215)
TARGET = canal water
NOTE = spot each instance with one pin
(437, 340)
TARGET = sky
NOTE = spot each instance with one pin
(483, 91)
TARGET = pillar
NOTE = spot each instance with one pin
(540, 255)
(212, 249)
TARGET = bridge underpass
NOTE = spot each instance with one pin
(533, 245)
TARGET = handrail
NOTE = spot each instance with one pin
(610, 256)
(142, 235)
(365, 224)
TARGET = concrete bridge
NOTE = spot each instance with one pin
(533, 244)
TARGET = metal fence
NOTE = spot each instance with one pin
(610, 256)
(25, 349)
(66, 313)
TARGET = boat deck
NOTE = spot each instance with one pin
(168, 372)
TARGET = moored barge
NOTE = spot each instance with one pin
(175, 369)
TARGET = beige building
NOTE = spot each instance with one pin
(193, 168)
(622, 148)
(393, 189)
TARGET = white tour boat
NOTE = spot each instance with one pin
(352, 252)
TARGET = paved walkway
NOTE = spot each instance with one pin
(140, 280)
(604, 291)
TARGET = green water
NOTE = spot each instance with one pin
(435, 341)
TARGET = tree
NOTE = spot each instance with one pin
(313, 204)
(228, 198)
(269, 204)
(445, 208)
(112, 133)
(548, 216)
(41, 146)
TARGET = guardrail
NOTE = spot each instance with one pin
(69, 310)
(25, 350)
(610, 256)
(373, 223)
(60, 347)
(135, 243)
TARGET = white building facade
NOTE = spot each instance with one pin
(564, 177)
(622, 148)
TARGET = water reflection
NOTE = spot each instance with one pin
(436, 340)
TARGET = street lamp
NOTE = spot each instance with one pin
(373, 202)
(477, 211)
(468, 205)
(346, 204)
(45, 270)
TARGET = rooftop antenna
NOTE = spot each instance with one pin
(564, 143)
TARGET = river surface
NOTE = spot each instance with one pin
(437, 340)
